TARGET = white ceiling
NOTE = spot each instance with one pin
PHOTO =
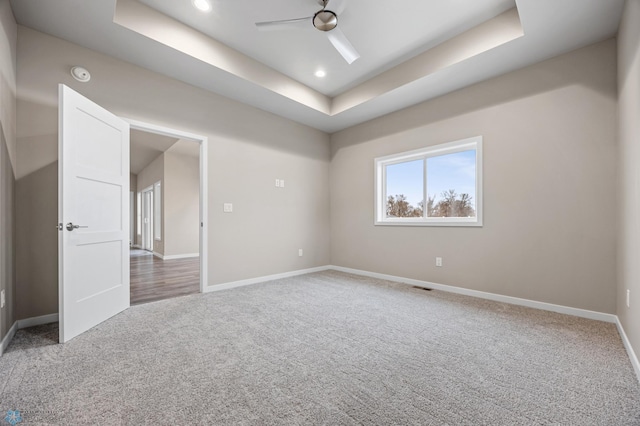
(410, 28)
(274, 70)
(186, 148)
(146, 147)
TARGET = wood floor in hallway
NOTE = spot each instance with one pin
(155, 279)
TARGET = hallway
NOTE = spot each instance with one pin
(155, 279)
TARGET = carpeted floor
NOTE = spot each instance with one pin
(325, 348)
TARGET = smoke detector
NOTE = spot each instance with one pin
(80, 74)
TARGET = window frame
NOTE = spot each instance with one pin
(139, 214)
(157, 211)
(380, 185)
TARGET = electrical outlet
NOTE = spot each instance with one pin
(300, 252)
(628, 298)
(438, 261)
(2, 299)
(228, 208)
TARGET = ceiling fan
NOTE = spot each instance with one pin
(324, 20)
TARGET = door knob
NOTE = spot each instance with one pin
(71, 226)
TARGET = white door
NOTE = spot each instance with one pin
(93, 197)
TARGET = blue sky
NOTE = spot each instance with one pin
(452, 171)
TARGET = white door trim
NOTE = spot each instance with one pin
(204, 179)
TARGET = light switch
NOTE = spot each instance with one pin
(281, 183)
(228, 207)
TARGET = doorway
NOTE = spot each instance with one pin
(157, 270)
(94, 213)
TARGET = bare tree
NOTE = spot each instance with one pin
(431, 209)
(452, 205)
(398, 206)
(464, 206)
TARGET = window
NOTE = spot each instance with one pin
(157, 211)
(436, 186)
(139, 214)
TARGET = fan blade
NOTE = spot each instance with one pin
(336, 6)
(342, 45)
(286, 24)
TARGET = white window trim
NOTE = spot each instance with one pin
(380, 164)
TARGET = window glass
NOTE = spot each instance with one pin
(405, 189)
(440, 185)
(451, 185)
(157, 211)
(139, 214)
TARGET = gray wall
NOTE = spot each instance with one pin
(629, 155)
(8, 37)
(549, 186)
(181, 204)
(37, 208)
(37, 243)
(248, 150)
(7, 238)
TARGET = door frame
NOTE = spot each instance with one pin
(204, 179)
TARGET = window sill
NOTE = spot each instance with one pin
(450, 223)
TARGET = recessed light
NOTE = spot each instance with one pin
(202, 5)
(320, 73)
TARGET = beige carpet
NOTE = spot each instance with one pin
(326, 348)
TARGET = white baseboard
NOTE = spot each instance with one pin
(24, 323)
(583, 313)
(627, 345)
(32, 322)
(7, 339)
(257, 280)
(178, 256)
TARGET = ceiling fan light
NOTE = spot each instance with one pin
(325, 20)
(202, 5)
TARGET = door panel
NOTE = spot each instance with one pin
(100, 206)
(93, 194)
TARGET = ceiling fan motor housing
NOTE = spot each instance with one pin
(325, 20)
